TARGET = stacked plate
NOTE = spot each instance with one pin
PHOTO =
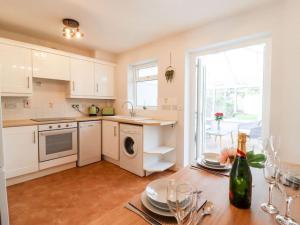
(154, 198)
(212, 161)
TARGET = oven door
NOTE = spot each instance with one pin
(57, 143)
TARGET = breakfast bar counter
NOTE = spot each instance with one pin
(215, 189)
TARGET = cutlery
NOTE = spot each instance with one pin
(143, 214)
(207, 209)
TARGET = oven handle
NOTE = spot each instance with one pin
(53, 132)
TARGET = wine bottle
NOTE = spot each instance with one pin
(240, 184)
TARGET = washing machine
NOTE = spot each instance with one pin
(131, 149)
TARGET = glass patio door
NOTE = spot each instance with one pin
(229, 83)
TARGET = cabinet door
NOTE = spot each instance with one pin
(50, 66)
(104, 80)
(82, 78)
(110, 139)
(15, 70)
(20, 150)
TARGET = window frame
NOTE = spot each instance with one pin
(136, 79)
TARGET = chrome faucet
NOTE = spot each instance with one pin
(132, 113)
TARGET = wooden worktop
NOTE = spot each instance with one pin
(147, 122)
(215, 189)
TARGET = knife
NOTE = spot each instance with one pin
(144, 215)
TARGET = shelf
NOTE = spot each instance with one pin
(158, 166)
(160, 150)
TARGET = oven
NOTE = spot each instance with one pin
(57, 140)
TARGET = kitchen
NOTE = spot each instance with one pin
(88, 110)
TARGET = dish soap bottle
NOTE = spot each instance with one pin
(240, 184)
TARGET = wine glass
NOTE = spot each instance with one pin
(184, 201)
(171, 198)
(269, 171)
(288, 181)
(180, 199)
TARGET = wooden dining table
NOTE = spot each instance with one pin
(215, 189)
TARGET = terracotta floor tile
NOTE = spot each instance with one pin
(75, 196)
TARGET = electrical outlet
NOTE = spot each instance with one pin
(75, 106)
(27, 103)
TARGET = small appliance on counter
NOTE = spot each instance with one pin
(93, 110)
(108, 111)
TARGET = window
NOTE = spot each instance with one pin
(145, 85)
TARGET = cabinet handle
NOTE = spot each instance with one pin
(73, 85)
(97, 87)
(34, 141)
(115, 131)
(28, 80)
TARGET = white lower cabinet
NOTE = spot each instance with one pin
(20, 146)
(110, 139)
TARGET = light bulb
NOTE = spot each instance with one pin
(78, 34)
(67, 30)
(67, 35)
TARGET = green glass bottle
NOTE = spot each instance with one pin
(240, 184)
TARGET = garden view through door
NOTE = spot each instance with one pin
(229, 97)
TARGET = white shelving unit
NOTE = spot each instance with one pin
(159, 148)
(158, 166)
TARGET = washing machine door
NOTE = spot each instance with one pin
(129, 147)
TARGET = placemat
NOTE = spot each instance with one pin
(215, 172)
(136, 201)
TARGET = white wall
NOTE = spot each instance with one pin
(281, 20)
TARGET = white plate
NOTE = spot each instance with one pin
(211, 158)
(201, 163)
(157, 191)
(160, 206)
(213, 165)
(153, 209)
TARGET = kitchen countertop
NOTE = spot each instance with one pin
(121, 119)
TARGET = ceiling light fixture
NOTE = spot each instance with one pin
(71, 29)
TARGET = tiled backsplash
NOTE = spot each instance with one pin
(49, 99)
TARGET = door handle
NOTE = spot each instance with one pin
(28, 80)
(34, 138)
(115, 131)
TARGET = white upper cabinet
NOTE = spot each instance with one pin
(82, 78)
(50, 66)
(15, 71)
(104, 80)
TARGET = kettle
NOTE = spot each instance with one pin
(93, 110)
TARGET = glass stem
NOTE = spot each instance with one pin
(287, 206)
(178, 220)
(270, 194)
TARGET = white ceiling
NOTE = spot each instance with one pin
(115, 25)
